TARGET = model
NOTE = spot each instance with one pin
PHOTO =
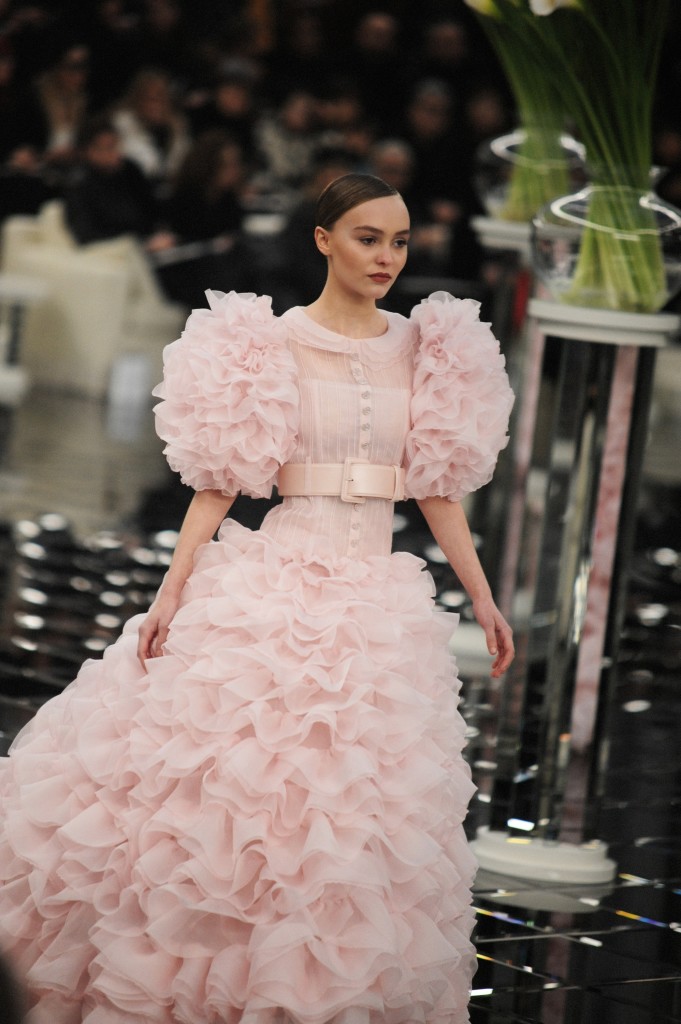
(251, 808)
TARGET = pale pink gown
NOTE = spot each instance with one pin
(267, 825)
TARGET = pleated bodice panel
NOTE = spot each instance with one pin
(354, 403)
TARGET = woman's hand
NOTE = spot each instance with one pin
(498, 634)
(204, 515)
(154, 630)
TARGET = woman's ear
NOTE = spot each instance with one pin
(321, 237)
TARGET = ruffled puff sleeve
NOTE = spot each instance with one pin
(230, 407)
(461, 401)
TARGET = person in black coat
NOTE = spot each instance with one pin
(107, 195)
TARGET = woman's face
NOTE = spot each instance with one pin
(367, 247)
(230, 168)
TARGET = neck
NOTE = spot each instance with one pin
(353, 316)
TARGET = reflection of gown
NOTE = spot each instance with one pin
(267, 827)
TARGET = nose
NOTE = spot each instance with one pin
(384, 255)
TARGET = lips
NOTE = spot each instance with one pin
(381, 278)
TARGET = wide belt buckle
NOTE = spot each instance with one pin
(346, 493)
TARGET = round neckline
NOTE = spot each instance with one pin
(377, 351)
(344, 337)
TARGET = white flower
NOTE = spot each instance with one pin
(487, 7)
(549, 6)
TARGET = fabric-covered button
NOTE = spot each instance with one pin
(366, 394)
(364, 444)
(365, 426)
(366, 409)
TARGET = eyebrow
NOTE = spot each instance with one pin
(379, 231)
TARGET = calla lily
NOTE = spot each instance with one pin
(488, 8)
(549, 6)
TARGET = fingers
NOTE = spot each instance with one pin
(491, 637)
(505, 650)
(144, 646)
(151, 640)
(159, 641)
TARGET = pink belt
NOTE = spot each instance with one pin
(353, 480)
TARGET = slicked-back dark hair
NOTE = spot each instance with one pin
(346, 192)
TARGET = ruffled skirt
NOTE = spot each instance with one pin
(265, 827)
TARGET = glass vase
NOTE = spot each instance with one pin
(609, 245)
(518, 172)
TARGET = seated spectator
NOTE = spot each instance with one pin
(302, 58)
(204, 216)
(376, 63)
(441, 243)
(287, 139)
(117, 53)
(19, 121)
(24, 186)
(228, 106)
(298, 271)
(63, 104)
(441, 148)
(204, 200)
(445, 54)
(153, 131)
(163, 37)
(487, 115)
(343, 122)
(108, 195)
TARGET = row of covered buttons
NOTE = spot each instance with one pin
(365, 429)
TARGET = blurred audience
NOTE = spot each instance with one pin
(206, 130)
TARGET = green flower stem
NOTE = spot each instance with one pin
(540, 171)
(620, 262)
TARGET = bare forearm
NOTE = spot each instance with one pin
(447, 521)
(448, 524)
(204, 515)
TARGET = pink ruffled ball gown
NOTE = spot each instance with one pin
(266, 826)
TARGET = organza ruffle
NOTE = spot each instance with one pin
(461, 401)
(266, 826)
(229, 410)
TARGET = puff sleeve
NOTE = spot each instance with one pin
(461, 401)
(229, 398)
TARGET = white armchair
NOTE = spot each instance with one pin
(103, 302)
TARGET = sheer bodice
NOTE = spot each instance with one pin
(354, 402)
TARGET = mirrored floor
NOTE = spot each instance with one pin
(87, 519)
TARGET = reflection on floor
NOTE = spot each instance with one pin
(86, 530)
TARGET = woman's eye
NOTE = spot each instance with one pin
(401, 243)
(367, 241)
